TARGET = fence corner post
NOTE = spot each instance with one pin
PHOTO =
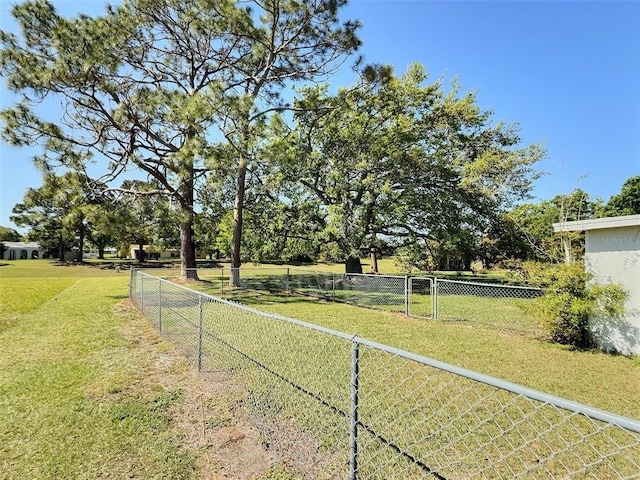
(142, 294)
(353, 437)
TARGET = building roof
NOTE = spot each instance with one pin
(22, 245)
(597, 224)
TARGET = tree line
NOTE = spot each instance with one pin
(241, 147)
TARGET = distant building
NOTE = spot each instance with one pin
(21, 251)
(151, 253)
(612, 255)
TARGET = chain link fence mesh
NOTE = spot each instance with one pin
(421, 297)
(433, 421)
(383, 292)
(490, 306)
(368, 411)
(500, 308)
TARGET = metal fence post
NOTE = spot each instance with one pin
(131, 280)
(406, 295)
(435, 298)
(160, 306)
(353, 440)
(333, 287)
(142, 293)
(287, 288)
(199, 332)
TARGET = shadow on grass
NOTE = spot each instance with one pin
(253, 298)
(118, 297)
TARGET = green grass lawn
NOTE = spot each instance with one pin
(598, 379)
(457, 426)
(498, 340)
(75, 395)
(69, 405)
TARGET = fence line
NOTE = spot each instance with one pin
(485, 305)
(376, 412)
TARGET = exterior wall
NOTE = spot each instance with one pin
(20, 250)
(612, 255)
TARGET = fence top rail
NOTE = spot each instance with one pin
(344, 274)
(483, 284)
(595, 413)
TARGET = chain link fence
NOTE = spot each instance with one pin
(491, 306)
(421, 297)
(481, 305)
(368, 411)
(384, 292)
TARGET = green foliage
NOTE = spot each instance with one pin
(9, 235)
(569, 299)
(397, 159)
(627, 202)
(58, 212)
(526, 231)
(157, 86)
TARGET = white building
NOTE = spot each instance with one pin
(21, 251)
(612, 255)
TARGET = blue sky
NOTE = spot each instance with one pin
(567, 72)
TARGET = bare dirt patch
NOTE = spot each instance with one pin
(208, 417)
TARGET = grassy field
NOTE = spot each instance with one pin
(76, 399)
(68, 406)
(415, 407)
(606, 381)
(89, 390)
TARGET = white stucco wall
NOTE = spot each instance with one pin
(14, 250)
(612, 255)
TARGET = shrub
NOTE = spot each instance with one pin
(569, 299)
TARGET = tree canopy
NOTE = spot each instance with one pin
(58, 212)
(239, 148)
(398, 160)
(153, 84)
(627, 202)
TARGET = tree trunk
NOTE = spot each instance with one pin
(61, 249)
(374, 260)
(467, 259)
(140, 250)
(566, 248)
(353, 265)
(187, 238)
(234, 279)
(80, 244)
(187, 251)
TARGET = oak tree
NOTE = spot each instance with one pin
(401, 160)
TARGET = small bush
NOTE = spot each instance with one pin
(569, 299)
